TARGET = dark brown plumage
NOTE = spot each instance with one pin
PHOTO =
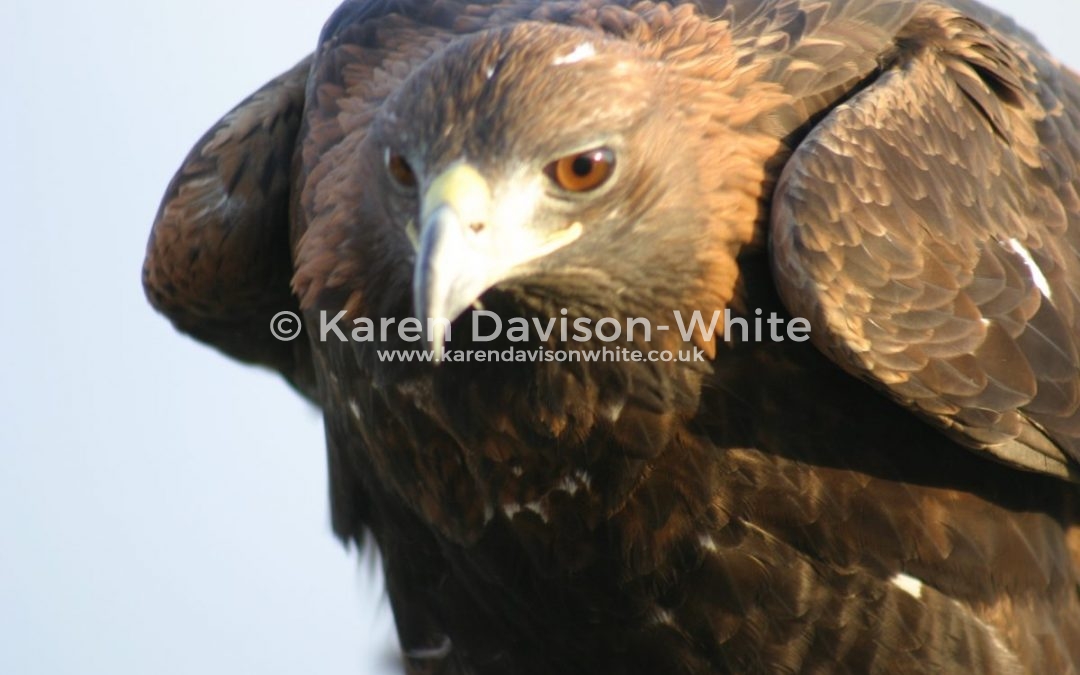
(896, 496)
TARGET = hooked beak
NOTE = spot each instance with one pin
(469, 242)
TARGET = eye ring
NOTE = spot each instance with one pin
(399, 170)
(582, 171)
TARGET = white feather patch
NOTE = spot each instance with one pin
(583, 51)
(1036, 274)
(908, 584)
(431, 653)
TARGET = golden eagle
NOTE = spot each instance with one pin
(896, 495)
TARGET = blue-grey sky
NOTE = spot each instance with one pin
(162, 509)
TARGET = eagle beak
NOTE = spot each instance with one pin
(470, 241)
(455, 263)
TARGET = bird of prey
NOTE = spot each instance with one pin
(896, 494)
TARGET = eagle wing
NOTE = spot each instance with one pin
(218, 262)
(929, 229)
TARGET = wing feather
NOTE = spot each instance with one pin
(218, 262)
(929, 229)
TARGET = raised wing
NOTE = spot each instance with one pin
(219, 263)
(929, 228)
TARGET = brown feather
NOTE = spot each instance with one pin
(894, 170)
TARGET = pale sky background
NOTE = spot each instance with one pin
(162, 509)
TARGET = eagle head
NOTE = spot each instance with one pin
(537, 172)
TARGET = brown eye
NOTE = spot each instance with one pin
(400, 170)
(583, 171)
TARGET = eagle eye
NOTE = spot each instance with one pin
(582, 171)
(398, 168)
